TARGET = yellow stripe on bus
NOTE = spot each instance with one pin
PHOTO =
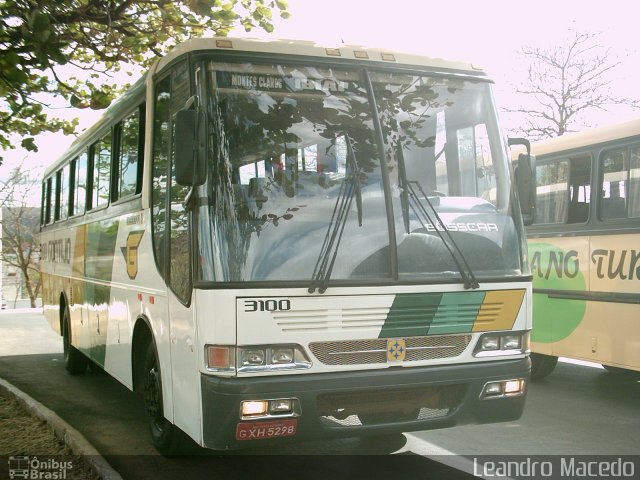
(499, 310)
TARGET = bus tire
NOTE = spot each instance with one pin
(542, 365)
(74, 360)
(163, 433)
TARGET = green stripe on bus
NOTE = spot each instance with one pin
(411, 315)
(456, 313)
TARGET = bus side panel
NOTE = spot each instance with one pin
(134, 290)
(559, 266)
(598, 327)
(58, 250)
(613, 327)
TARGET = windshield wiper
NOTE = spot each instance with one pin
(409, 198)
(349, 188)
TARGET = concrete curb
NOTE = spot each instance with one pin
(65, 432)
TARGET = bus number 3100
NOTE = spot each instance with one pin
(267, 305)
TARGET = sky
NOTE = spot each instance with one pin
(488, 33)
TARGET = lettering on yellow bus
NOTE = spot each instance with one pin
(617, 266)
(563, 264)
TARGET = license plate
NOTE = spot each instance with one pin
(262, 430)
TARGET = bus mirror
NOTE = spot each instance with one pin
(525, 173)
(188, 154)
(525, 177)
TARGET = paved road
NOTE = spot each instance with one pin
(112, 419)
(577, 410)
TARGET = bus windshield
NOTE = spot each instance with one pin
(296, 183)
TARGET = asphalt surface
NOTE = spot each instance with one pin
(112, 419)
(578, 410)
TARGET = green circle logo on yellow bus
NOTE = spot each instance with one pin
(555, 269)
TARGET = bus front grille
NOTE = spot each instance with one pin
(363, 352)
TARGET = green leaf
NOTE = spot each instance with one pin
(29, 144)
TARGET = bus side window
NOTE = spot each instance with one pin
(130, 151)
(54, 198)
(552, 192)
(160, 168)
(615, 175)
(46, 202)
(579, 189)
(63, 182)
(634, 182)
(79, 194)
(101, 171)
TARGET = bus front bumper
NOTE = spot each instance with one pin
(360, 403)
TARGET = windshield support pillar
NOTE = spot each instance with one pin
(384, 170)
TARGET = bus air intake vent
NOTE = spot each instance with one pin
(364, 352)
(379, 407)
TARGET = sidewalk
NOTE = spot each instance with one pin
(29, 430)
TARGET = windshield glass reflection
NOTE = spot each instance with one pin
(279, 139)
(295, 187)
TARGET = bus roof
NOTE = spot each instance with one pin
(592, 136)
(311, 49)
(298, 48)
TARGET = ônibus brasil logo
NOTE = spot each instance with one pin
(34, 468)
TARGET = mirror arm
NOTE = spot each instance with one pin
(520, 141)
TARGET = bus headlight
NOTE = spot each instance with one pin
(282, 355)
(251, 357)
(255, 358)
(502, 343)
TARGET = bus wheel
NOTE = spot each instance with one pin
(163, 432)
(74, 360)
(542, 365)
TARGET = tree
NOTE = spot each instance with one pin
(20, 227)
(96, 38)
(564, 82)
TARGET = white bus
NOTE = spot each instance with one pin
(583, 249)
(278, 239)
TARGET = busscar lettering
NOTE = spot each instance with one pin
(621, 265)
(463, 227)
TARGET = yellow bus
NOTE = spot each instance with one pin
(584, 249)
(279, 239)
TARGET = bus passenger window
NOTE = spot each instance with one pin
(46, 203)
(101, 171)
(79, 199)
(129, 152)
(579, 189)
(552, 198)
(620, 188)
(63, 180)
(54, 198)
(634, 182)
